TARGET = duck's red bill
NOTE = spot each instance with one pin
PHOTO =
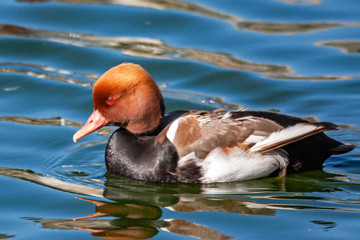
(95, 121)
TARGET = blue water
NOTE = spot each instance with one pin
(298, 57)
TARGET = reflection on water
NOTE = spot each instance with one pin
(133, 228)
(146, 47)
(128, 210)
(346, 46)
(202, 98)
(50, 182)
(136, 207)
(39, 71)
(143, 213)
(326, 225)
(302, 2)
(201, 204)
(156, 4)
(56, 121)
(87, 80)
(153, 48)
(107, 229)
(237, 21)
(4, 236)
(283, 35)
(285, 28)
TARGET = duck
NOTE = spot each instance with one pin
(198, 146)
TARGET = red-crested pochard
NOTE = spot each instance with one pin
(198, 146)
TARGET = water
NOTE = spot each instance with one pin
(299, 57)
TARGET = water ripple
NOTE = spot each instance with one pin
(87, 80)
(134, 202)
(40, 71)
(237, 21)
(56, 121)
(301, 2)
(346, 46)
(156, 49)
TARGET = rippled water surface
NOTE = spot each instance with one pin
(299, 57)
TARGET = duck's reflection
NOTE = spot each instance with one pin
(138, 214)
(125, 210)
(134, 210)
(124, 233)
(108, 229)
(132, 221)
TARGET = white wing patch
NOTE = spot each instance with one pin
(238, 165)
(298, 130)
(171, 133)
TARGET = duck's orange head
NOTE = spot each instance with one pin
(126, 96)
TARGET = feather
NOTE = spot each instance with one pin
(290, 134)
(235, 164)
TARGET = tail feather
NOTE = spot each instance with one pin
(291, 134)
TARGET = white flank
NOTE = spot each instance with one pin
(171, 133)
(238, 165)
(297, 130)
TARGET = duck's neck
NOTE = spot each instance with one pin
(147, 117)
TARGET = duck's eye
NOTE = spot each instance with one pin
(110, 100)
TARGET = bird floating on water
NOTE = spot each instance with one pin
(198, 146)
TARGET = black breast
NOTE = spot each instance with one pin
(138, 157)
